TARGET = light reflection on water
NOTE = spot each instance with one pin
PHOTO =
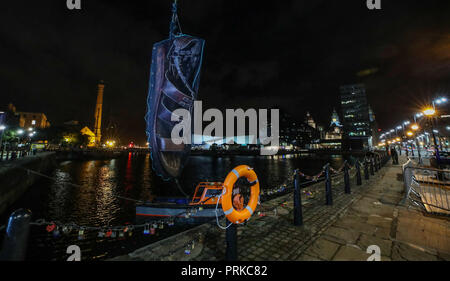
(101, 181)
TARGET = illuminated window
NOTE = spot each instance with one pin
(33, 122)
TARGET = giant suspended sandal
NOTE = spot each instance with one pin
(174, 81)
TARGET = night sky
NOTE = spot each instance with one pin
(289, 54)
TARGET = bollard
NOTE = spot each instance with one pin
(375, 163)
(328, 192)
(358, 173)
(231, 240)
(371, 166)
(298, 215)
(346, 178)
(366, 169)
(16, 237)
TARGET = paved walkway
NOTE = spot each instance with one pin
(402, 233)
(370, 215)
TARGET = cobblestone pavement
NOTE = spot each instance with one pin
(370, 215)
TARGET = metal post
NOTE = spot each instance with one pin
(298, 215)
(346, 178)
(231, 240)
(358, 173)
(328, 192)
(418, 151)
(375, 163)
(16, 237)
(371, 166)
(366, 169)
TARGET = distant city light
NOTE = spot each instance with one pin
(441, 100)
(429, 111)
(399, 127)
(2, 127)
(415, 127)
(110, 143)
(20, 131)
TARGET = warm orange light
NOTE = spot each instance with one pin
(409, 133)
(429, 111)
(415, 127)
(397, 139)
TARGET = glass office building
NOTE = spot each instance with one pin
(355, 113)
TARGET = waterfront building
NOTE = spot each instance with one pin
(85, 131)
(332, 137)
(310, 121)
(295, 134)
(23, 119)
(355, 113)
(33, 120)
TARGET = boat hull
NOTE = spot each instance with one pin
(178, 212)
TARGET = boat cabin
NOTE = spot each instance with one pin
(206, 193)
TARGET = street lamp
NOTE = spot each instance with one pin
(415, 127)
(439, 101)
(429, 112)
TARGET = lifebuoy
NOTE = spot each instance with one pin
(230, 212)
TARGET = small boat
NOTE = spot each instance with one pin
(200, 208)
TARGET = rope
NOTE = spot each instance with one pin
(177, 183)
(217, 215)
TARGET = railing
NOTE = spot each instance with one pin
(427, 188)
(370, 164)
(13, 154)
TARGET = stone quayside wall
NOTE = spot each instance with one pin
(15, 179)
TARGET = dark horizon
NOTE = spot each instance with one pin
(293, 55)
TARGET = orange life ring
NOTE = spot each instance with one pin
(230, 212)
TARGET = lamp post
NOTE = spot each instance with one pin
(429, 112)
(415, 127)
